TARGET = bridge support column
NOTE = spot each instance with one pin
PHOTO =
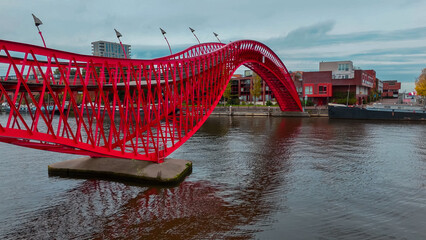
(171, 171)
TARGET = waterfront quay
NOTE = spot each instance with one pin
(273, 111)
(253, 178)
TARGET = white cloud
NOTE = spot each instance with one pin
(302, 32)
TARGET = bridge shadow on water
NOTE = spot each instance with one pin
(215, 203)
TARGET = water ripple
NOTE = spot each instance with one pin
(253, 177)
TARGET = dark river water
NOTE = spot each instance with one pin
(253, 178)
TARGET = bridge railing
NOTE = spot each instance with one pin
(139, 109)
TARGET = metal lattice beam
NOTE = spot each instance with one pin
(125, 108)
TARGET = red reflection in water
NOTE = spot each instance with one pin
(100, 209)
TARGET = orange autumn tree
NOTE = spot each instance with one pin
(421, 84)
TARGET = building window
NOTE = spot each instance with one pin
(322, 89)
(308, 90)
(343, 67)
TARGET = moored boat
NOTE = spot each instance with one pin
(377, 112)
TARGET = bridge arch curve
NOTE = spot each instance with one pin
(126, 108)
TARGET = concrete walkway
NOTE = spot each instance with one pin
(255, 111)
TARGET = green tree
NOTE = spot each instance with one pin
(297, 76)
(227, 93)
(255, 91)
(374, 96)
(57, 72)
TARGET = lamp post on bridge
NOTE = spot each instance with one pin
(164, 35)
(37, 23)
(216, 35)
(122, 47)
(192, 30)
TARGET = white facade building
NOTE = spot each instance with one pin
(110, 49)
(339, 69)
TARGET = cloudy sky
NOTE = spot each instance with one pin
(388, 36)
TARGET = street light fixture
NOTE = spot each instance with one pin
(118, 34)
(192, 30)
(216, 35)
(37, 23)
(164, 35)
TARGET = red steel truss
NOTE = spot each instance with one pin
(124, 108)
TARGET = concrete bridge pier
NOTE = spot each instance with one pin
(170, 172)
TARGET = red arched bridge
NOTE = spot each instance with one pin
(124, 108)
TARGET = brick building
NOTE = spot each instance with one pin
(336, 80)
(241, 85)
(391, 89)
(297, 77)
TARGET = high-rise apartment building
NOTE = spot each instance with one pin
(110, 49)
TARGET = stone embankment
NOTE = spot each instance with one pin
(263, 111)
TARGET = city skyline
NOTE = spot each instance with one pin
(387, 36)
